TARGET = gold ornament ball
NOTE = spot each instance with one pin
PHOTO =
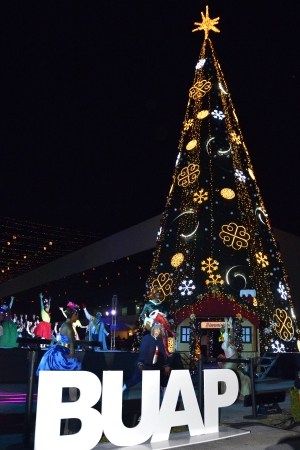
(227, 193)
(191, 145)
(177, 260)
(202, 114)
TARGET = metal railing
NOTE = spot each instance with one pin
(249, 361)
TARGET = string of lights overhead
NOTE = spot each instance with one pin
(27, 245)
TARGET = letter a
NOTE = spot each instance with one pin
(50, 411)
(180, 381)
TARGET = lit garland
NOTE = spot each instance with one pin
(238, 334)
(195, 341)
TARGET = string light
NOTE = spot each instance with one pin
(28, 245)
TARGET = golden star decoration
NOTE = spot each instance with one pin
(207, 24)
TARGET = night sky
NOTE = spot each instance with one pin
(93, 96)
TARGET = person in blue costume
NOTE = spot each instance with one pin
(61, 356)
(152, 356)
(96, 329)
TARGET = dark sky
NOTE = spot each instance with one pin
(93, 96)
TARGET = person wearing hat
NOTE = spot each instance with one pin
(61, 356)
(155, 311)
(152, 356)
(75, 325)
(8, 330)
(96, 329)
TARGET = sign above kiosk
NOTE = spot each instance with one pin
(214, 325)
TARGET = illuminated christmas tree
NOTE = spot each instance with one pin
(216, 254)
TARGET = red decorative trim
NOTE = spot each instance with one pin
(212, 307)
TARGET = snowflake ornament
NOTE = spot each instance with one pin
(282, 291)
(200, 196)
(209, 265)
(218, 114)
(278, 347)
(188, 124)
(235, 138)
(200, 63)
(240, 176)
(262, 259)
(214, 280)
(187, 287)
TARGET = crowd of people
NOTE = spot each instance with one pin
(13, 326)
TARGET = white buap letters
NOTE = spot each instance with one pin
(155, 423)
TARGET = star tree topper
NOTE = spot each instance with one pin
(207, 24)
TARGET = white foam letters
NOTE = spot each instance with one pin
(50, 411)
(179, 382)
(114, 429)
(154, 422)
(212, 400)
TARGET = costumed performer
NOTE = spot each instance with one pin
(43, 329)
(61, 356)
(74, 325)
(231, 352)
(7, 309)
(96, 329)
(8, 330)
(154, 311)
(152, 356)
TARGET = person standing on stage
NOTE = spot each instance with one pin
(152, 356)
(6, 309)
(96, 329)
(61, 356)
(75, 324)
(8, 330)
(43, 329)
